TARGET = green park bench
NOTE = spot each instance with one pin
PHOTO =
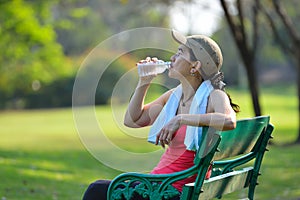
(235, 155)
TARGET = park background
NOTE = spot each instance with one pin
(43, 45)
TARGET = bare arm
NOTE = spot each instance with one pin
(138, 114)
(219, 115)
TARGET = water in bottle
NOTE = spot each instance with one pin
(153, 68)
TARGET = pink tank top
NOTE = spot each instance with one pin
(176, 158)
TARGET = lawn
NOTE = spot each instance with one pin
(46, 154)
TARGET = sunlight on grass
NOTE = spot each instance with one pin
(45, 174)
(39, 128)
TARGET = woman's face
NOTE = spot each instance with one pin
(180, 63)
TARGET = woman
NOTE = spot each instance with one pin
(178, 115)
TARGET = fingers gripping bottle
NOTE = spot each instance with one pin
(152, 67)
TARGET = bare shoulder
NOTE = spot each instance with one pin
(218, 94)
(218, 101)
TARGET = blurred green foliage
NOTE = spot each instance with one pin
(42, 41)
(42, 44)
(28, 46)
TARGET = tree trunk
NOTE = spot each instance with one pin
(249, 62)
(298, 93)
(247, 53)
(252, 82)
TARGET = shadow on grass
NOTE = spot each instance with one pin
(48, 175)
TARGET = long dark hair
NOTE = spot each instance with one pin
(234, 106)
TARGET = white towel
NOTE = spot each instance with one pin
(198, 106)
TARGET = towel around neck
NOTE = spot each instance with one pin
(198, 106)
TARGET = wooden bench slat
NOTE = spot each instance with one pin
(223, 184)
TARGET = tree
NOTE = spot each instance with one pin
(40, 40)
(246, 42)
(79, 26)
(120, 15)
(29, 52)
(287, 36)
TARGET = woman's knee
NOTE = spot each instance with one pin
(97, 190)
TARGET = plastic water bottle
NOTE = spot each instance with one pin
(153, 68)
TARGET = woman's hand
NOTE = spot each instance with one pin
(147, 79)
(144, 80)
(166, 134)
(147, 60)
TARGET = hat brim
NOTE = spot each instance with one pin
(178, 37)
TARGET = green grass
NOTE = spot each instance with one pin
(43, 157)
(278, 102)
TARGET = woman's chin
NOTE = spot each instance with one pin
(174, 74)
(171, 74)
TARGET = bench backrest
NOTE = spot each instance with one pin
(240, 140)
(243, 138)
(249, 138)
